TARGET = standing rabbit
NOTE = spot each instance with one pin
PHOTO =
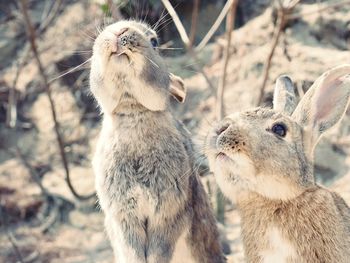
(263, 161)
(155, 206)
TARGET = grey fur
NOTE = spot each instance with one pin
(286, 216)
(145, 177)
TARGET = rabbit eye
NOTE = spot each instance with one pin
(154, 42)
(279, 129)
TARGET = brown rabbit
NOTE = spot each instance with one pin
(155, 206)
(263, 161)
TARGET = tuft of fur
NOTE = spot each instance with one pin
(286, 216)
(155, 206)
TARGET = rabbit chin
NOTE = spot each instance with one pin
(234, 174)
(237, 177)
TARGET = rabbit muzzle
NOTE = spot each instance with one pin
(230, 139)
(126, 42)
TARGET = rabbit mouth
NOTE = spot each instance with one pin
(221, 155)
(120, 55)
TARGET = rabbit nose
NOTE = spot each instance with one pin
(222, 128)
(128, 39)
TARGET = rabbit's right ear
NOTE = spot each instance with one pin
(177, 88)
(324, 103)
(284, 99)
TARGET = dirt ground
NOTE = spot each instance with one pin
(73, 231)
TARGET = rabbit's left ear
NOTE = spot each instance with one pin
(177, 88)
(284, 99)
(325, 103)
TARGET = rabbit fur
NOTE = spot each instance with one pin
(263, 161)
(155, 207)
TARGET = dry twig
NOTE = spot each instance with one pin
(11, 113)
(11, 117)
(13, 242)
(282, 19)
(194, 20)
(185, 40)
(284, 15)
(50, 16)
(201, 70)
(177, 22)
(215, 26)
(220, 111)
(54, 202)
(35, 176)
(14, 245)
(32, 41)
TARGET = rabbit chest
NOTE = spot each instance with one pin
(141, 171)
(304, 229)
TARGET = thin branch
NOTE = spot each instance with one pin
(215, 26)
(53, 216)
(191, 52)
(194, 21)
(200, 69)
(13, 242)
(178, 24)
(285, 49)
(49, 197)
(50, 16)
(220, 111)
(32, 40)
(205, 40)
(34, 175)
(32, 257)
(11, 117)
(206, 77)
(281, 21)
(11, 113)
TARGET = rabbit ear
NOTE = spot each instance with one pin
(177, 88)
(284, 99)
(324, 103)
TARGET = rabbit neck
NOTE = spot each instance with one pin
(138, 118)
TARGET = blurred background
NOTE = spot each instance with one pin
(229, 54)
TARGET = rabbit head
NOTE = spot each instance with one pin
(126, 67)
(270, 151)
